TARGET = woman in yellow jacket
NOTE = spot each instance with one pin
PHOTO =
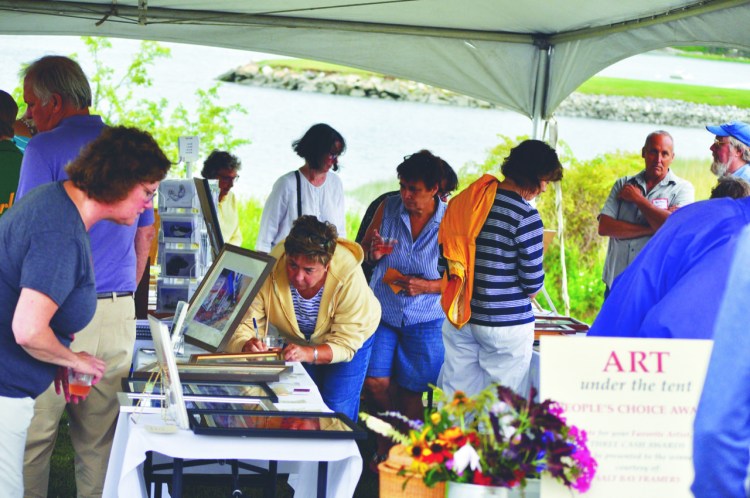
(319, 301)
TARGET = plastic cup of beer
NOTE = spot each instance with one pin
(387, 246)
(79, 384)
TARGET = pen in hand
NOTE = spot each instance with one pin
(255, 326)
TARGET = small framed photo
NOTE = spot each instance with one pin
(224, 373)
(275, 424)
(174, 403)
(176, 193)
(238, 358)
(180, 229)
(224, 296)
(178, 263)
(226, 392)
(210, 213)
(168, 295)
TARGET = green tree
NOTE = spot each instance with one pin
(114, 97)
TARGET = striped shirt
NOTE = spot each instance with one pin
(508, 263)
(306, 311)
(417, 258)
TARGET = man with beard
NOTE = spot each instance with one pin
(638, 205)
(731, 150)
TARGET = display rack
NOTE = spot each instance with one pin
(184, 249)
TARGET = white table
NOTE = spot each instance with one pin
(299, 457)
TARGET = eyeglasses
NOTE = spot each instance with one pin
(148, 193)
(720, 141)
(228, 179)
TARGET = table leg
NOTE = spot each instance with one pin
(177, 478)
(322, 479)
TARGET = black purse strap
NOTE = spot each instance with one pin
(299, 194)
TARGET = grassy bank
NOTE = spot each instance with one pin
(597, 85)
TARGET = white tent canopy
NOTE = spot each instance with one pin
(525, 56)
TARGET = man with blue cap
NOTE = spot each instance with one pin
(731, 149)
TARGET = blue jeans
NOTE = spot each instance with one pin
(340, 384)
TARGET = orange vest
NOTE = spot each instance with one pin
(462, 222)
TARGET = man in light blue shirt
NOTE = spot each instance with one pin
(721, 441)
(731, 150)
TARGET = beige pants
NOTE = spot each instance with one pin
(110, 336)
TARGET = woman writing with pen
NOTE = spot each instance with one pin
(408, 349)
(318, 300)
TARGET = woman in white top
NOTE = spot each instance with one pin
(308, 190)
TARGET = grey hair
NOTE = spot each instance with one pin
(731, 186)
(57, 74)
(736, 144)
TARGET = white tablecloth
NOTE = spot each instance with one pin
(132, 441)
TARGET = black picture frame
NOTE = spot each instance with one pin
(305, 425)
(210, 215)
(249, 390)
(224, 374)
(224, 295)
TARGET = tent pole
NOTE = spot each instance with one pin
(540, 100)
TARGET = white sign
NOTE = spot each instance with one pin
(636, 399)
(189, 149)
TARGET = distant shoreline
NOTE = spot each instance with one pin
(611, 108)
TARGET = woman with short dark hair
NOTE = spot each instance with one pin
(408, 349)
(491, 237)
(47, 290)
(310, 190)
(317, 298)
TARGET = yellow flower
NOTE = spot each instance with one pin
(451, 434)
(435, 418)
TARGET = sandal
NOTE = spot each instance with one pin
(376, 460)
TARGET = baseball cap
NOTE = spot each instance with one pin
(736, 129)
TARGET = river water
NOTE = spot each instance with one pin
(378, 133)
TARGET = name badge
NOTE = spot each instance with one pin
(661, 203)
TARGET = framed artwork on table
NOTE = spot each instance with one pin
(238, 392)
(307, 425)
(174, 404)
(210, 215)
(224, 373)
(239, 358)
(219, 304)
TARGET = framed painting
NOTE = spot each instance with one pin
(307, 425)
(219, 304)
(238, 392)
(210, 216)
(224, 373)
(174, 404)
(239, 358)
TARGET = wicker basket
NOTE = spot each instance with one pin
(392, 484)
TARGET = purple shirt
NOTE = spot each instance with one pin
(112, 245)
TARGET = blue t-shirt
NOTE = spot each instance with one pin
(44, 161)
(44, 247)
(674, 287)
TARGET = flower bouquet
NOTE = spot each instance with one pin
(496, 438)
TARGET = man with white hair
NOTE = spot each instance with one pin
(731, 149)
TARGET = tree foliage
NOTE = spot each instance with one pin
(117, 98)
